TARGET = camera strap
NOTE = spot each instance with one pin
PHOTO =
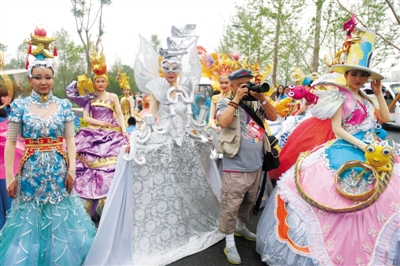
(256, 119)
(251, 112)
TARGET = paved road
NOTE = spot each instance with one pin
(214, 255)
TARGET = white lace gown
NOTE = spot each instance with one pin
(164, 210)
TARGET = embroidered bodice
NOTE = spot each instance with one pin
(43, 173)
(357, 115)
(36, 127)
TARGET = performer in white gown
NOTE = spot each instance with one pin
(160, 207)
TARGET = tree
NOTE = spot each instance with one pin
(71, 58)
(3, 47)
(259, 29)
(155, 42)
(113, 85)
(382, 18)
(18, 62)
(247, 32)
(83, 11)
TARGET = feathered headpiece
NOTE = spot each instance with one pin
(217, 65)
(123, 80)
(40, 56)
(98, 61)
(259, 75)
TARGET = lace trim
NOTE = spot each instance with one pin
(41, 100)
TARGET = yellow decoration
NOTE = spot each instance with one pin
(123, 80)
(223, 65)
(85, 85)
(379, 157)
(357, 49)
(97, 163)
(283, 106)
(42, 45)
(259, 76)
(98, 61)
(297, 76)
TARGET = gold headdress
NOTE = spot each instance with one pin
(123, 80)
(98, 61)
(7, 81)
(217, 65)
(259, 75)
(42, 42)
(41, 54)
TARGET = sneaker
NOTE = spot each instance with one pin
(232, 255)
(246, 234)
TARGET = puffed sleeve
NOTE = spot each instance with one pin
(215, 99)
(69, 130)
(328, 103)
(69, 115)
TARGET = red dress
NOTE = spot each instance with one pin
(309, 134)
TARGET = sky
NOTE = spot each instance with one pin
(124, 20)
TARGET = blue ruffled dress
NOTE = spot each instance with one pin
(46, 225)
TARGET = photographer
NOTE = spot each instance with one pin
(241, 142)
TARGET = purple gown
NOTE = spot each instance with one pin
(97, 147)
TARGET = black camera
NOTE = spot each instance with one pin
(259, 88)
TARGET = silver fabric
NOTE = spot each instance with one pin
(14, 130)
(174, 211)
(174, 123)
(166, 209)
(69, 129)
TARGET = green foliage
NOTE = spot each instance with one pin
(71, 62)
(18, 62)
(86, 14)
(378, 16)
(262, 33)
(3, 47)
(295, 34)
(155, 42)
(113, 84)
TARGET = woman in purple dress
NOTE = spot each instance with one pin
(100, 138)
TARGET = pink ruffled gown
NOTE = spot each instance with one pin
(293, 232)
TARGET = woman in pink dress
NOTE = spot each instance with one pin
(333, 206)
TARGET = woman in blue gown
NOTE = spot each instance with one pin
(46, 225)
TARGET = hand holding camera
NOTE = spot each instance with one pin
(241, 93)
(256, 91)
